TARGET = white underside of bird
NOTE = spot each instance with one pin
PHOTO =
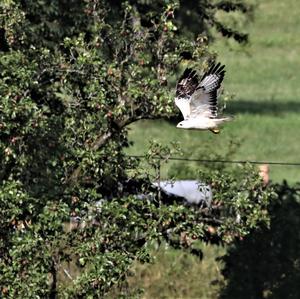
(197, 101)
(203, 123)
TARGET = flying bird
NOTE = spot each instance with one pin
(198, 100)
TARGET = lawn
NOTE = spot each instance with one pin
(264, 78)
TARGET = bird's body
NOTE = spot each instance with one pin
(197, 101)
(203, 123)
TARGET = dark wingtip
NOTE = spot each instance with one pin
(215, 68)
(188, 72)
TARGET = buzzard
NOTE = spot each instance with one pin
(198, 100)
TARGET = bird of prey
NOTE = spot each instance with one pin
(197, 100)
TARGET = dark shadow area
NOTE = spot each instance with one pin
(266, 264)
(262, 107)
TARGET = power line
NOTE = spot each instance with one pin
(224, 161)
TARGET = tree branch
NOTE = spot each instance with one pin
(53, 271)
(99, 142)
(102, 139)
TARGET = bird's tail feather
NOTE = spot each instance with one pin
(222, 119)
(219, 121)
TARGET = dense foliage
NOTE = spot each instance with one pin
(266, 263)
(73, 75)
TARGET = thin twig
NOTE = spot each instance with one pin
(68, 274)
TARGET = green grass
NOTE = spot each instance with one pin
(264, 77)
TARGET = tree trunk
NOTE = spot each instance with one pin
(53, 271)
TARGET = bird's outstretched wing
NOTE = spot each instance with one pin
(196, 99)
(186, 86)
(203, 102)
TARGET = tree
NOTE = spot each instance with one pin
(73, 75)
(266, 263)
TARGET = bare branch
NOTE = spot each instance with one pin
(67, 274)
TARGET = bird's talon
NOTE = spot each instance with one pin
(215, 130)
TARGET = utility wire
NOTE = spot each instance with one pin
(224, 161)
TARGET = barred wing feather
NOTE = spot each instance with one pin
(196, 99)
(204, 102)
(186, 86)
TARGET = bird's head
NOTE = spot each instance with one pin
(183, 125)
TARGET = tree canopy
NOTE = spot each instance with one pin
(73, 76)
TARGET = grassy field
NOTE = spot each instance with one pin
(264, 77)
